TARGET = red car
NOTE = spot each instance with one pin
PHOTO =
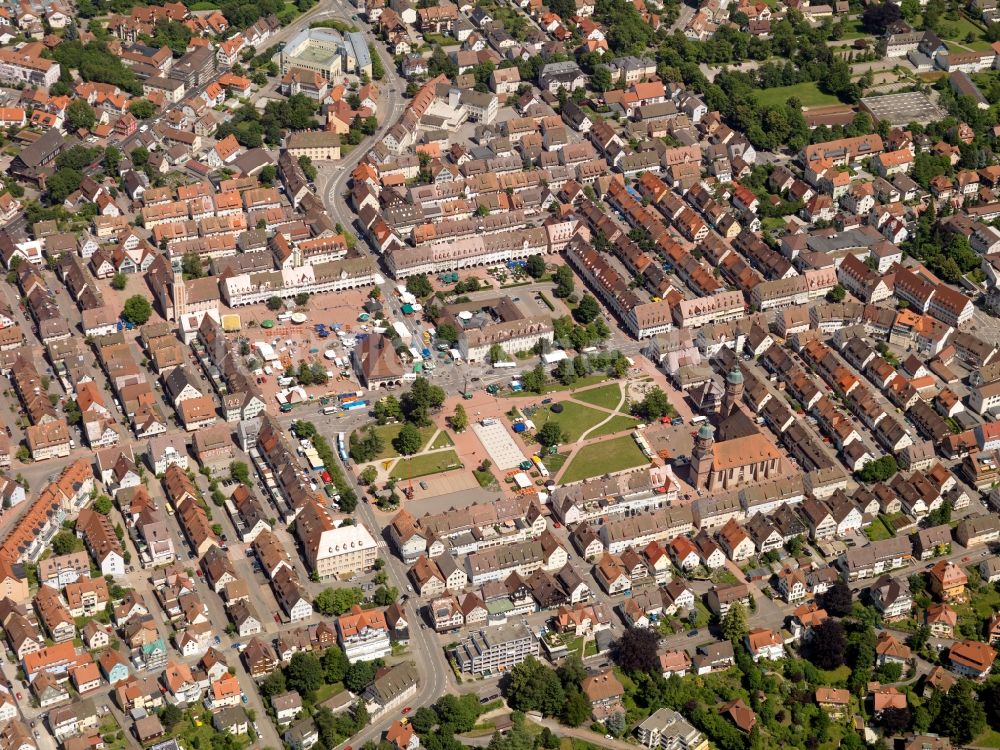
(407, 710)
(19, 696)
(326, 477)
(557, 525)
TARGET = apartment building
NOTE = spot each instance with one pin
(496, 650)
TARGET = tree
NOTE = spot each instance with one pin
(587, 310)
(551, 433)
(734, 624)
(534, 379)
(304, 673)
(335, 602)
(531, 686)
(447, 332)
(112, 158)
(564, 282)
(137, 310)
(880, 470)
(142, 109)
(239, 472)
(566, 372)
(419, 286)
(191, 265)
(653, 406)
(119, 281)
(408, 441)
(576, 708)
(601, 79)
(636, 650)
(838, 599)
(497, 354)
(308, 169)
(273, 684)
(80, 115)
(301, 299)
(836, 294)
(895, 720)
(62, 183)
(335, 664)
(65, 542)
(170, 716)
(102, 505)
(878, 16)
(423, 720)
(387, 409)
(274, 304)
(960, 713)
(535, 266)
(268, 175)
(359, 675)
(459, 420)
(420, 400)
(827, 645)
(368, 475)
(385, 595)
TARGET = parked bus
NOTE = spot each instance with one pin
(330, 409)
(341, 448)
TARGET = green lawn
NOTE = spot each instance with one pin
(989, 738)
(618, 423)
(388, 433)
(554, 462)
(852, 29)
(606, 396)
(443, 440)
(575, 419)
(553, 386)
(835, 676)
(807, 93)
(957, 31)
(603, 458)
(428, 463)
(878, 531)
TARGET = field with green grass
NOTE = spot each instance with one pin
(575, 419)
(959, 31)
(428, 463)
(605, 457)
(388, 433)
(807, 93)
(878, 530)
(618, 423)
(606, 396)
(989, 738)
(443, 440)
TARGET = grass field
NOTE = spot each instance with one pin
(807, 93)
(878, 530)
(575, 419)
(554, 462)
(852, 29)
(957, 31)
(989, 738)
(606, 396)
(443, 440)
(603, 458)
(388, 433)
(429, 463)
(618, 423)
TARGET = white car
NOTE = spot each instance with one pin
(143, 128)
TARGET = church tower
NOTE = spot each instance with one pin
(178, 292)
(733, 394)
(702, 456)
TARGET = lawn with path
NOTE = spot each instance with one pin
(617, 423)
(605, 457)
(575, 419)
